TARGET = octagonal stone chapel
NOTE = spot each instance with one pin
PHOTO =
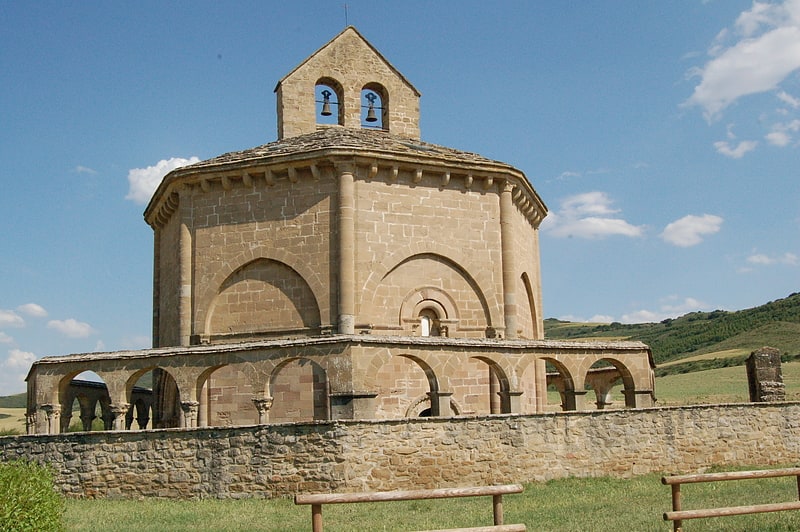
(348, 270)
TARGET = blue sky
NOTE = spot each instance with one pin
(663, 136)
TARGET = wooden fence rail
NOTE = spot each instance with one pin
(677, 515)
(496, 492)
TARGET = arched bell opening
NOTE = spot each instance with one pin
(329, 102)
(374, 107)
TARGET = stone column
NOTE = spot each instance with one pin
(53, 413)
(185, 296)
(574, 400)
(87, 415)
(190, 410)
(440, 403)
(353, 405)
(30, 422)
(347, 250)
(157, 287)
(263, 404)
(510, 402)
(638, 398)
(118, 412)
(540, 382)
(507, 254)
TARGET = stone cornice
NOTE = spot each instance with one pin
(538, 346)
(413, 170)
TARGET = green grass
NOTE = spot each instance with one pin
(560, 505)
(723, 385)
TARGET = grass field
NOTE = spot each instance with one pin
(561, 505)
(12, 419)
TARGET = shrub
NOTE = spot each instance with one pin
(28, 498)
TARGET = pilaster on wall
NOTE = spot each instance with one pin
(347, 253)
(507, 252)
(186, 266)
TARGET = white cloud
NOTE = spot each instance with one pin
(5, 339)
(780, 135)
(789, 100)
(84, 170)
(601, 318)
(778, 138)
(33, 310)
(765, 52)
(689, 230)
(588, 215)
(670, 307)
(789, 259)
(19, 359)
(738, 152)
(144, 181)
(71, 328)
(9, 318)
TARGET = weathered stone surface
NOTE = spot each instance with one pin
(764, 375)
(278, 460)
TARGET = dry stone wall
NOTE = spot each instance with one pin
(348, 456)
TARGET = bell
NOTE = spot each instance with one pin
(326, 109)
(371, 114)
(326, 103)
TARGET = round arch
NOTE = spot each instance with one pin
(481, 281)
(310, 276)
(288, 287)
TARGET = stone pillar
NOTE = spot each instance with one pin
(510, 402)
(507, 254)
(347, 251)
(540, 382)
(118, 413)
(353, 405)
(638, 398)
(53, 413)
(190, 410)
(440, 403)
(156, 339)
(185, 296)
(30, 422)
(764, 376)
(66, 419)
(87, 415)
(574, 400)
(263, 404)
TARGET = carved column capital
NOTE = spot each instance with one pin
(118, 412)
(263, 404)
(190, 410)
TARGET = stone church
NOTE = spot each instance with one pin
(348, 270)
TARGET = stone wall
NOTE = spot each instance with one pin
(347, 456)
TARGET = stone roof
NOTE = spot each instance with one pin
(336, 137)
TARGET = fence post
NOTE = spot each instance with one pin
(497, 507)
(677, 525)
(316, 518)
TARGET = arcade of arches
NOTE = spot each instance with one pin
(339, 378)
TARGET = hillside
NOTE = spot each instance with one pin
(776, 324)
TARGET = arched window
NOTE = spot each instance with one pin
(374, 107)
(329, 102)
(428, 323)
